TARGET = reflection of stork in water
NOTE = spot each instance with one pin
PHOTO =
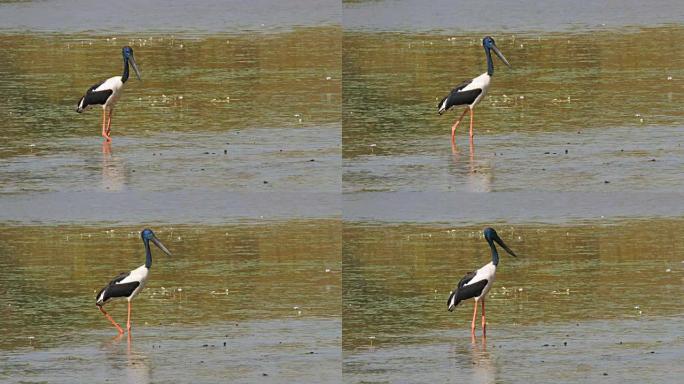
(484, 370)
(129, 367)
(477, 179)
(113, 171)
(472, 363)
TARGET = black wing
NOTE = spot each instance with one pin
(458, 97)
(469, 276)
(93, 97)
(464, 292)
(114, 289)
(120, 277)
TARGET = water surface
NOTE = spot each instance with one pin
(198, 17)
(590, 285)
(224, 126)
(271, 292)
(496, 15)
(577, 112)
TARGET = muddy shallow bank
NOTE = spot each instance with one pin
(270, 351)
(625, 351)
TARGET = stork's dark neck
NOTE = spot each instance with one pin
(495, 254)
(124, 76)
(490, 63)
(148, 254)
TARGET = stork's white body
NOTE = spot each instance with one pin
(140, 275)
(116, 86)
(480, 82)
(488, 272)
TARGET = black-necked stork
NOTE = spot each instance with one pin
(477, 284)
(470, 92)
(129, 284)
(107, 93)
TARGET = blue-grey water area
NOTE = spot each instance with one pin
(623, 351)
(489, 16)
(179, 17)
(268, 351)
(247, 175)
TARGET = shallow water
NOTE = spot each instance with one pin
(610, 99)
(607, 282)
(508, 16)
(208, 84)
(252, 286)
(617, 351)
(252, 116)
(465, 208)
(269, 351)
(201, 16)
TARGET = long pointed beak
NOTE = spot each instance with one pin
(501, 56)
(161, 246)
(504, 246)
(135, 66)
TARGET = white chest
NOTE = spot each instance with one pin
(480, 82)
(488, 272)
(140, 275)
(116, 86)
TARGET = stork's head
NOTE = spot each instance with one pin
(489, 44)
(147, 235)
(127, 53)
(491, 235)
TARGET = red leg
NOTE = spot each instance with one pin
(484, 321)
(110, 319)
(128, 322)
(453, 127)
(471, 123)
(105, 132)
(109, 122)
(104, 124)
(472, 324)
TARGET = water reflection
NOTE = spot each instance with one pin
(128, 363)
(113, 170)
(484, 370)
(476, 177)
